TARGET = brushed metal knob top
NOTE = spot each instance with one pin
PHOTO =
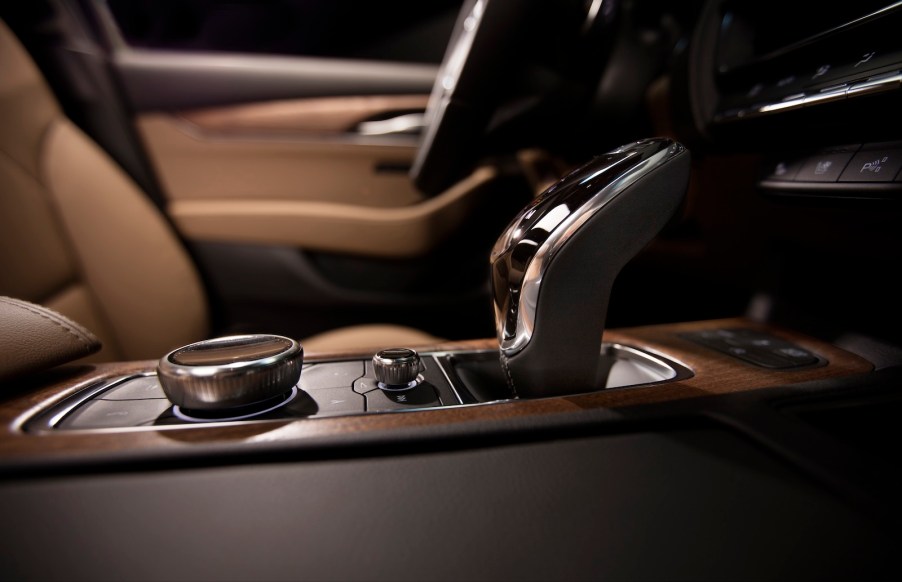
(230, 371)
(397, 368)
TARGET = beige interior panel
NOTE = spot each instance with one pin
(33, 253)
(329, 115)
(26, 103)
(369, 337)
(405, 231)
(198, 164)
(124, 248)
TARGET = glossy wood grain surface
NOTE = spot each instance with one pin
(714, 373)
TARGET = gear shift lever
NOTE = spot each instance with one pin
(554, 265)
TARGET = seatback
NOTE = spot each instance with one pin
(77, 235)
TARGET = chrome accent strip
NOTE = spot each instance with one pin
(522, 254)
(435, 358)
(827, 95)
(48, 419)
(410, 123)
(788, 103)
(398, 141)
(876, 84)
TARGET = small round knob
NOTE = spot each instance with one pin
(397, 368)
(230, 371)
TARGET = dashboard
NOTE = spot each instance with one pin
(817, 79)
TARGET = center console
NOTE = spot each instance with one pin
(329, 388)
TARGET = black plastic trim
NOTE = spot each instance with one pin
(171, 80)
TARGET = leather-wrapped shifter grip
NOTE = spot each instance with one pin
(554, 266)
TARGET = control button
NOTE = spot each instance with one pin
(397, 368)
(331, 375)
(115, 414)
(422, 395)
(140, 388)
(784, 170)
(825, 166)
(230, 371)
(873, 165)
(366, 384)
(332, 401)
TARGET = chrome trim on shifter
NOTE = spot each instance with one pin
(524, 250)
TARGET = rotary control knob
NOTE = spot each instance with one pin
(397, 368)
(231, 371)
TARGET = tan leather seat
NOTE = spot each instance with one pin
(78, 236)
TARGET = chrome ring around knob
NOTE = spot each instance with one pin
(230, 371)
(397, 368)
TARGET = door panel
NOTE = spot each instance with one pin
(393, 232)
(195, 163)
(272, 160)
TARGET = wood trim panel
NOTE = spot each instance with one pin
(714, 374)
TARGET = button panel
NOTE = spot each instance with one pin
(755, 347)
(859, 74)
(824, 166)
(325, 389)
(869, 171)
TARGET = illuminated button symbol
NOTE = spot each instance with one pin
(794, 352)
(865, 58)
(874, 166)
(786, 81)
(821, 71)
(823, 167)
